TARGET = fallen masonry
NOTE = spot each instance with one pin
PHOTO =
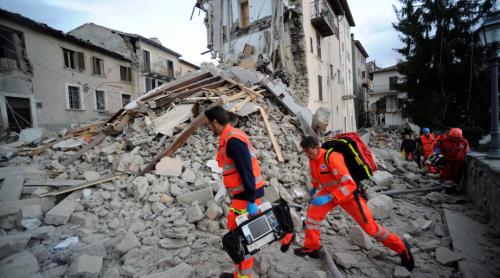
(144, 197)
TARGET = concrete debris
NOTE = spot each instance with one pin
(166, 123)
(182, 270)
(128, 242)
(213, 210)
(382, 178)
(320, 120)
(138, 188)
(168, 166)
(10, 244)
(447, 257)
(68, 144)
(194, 213)
(22, 264)
(86, 266)
(203, 196)
(91, 175)
(30, 212)
(12, 187)
(68, 243)
(381, 206)
(360, 238)
(214, 166)
(401, 272)
(61, 213)
(31, 135)
(188, 176)
(346, 260)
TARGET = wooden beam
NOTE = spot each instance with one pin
(181, 95)
(99, 181)
(243, 87)
(116, 115)
(96, 141)
(240, 104)
(178, 85)
(276, 146)
(195, 85)
(179, 140)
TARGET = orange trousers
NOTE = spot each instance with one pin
(238, 207)
(315, 214)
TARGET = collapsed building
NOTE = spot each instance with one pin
(306, 44)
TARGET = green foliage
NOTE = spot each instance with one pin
(447, 80)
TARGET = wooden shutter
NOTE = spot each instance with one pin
(81, 61)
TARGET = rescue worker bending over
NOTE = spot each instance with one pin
(454, 148)
(241, 175)
(338, 189)
(428, 142)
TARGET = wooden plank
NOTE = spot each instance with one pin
(235, 96)
(197, 84)
(180, 139)
(118, 126)
(276, 146)
(181, 95)
(52, 183)
(243, 87)
(240, 104)
(44, 147)
(179, 85)
(96, 141)
(99, 181)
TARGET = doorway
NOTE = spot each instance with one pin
(18, 113)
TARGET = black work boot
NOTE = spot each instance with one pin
(406, 257)
(302, 252)
(226, 275)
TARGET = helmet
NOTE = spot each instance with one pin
(456, 132)
(426, 130)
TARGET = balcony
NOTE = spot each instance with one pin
(322, 18)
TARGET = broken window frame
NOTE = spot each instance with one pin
(99, 101)
(170, 69)
(146, 60)
(393, 82)
(97, 66)
(74, 60)
(126, 98)
(125, 74)
(11, 46)
(74, 97)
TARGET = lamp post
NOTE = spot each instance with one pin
(489, 34)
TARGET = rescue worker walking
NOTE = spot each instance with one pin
(338, 188)
(241, 175)
(454, 148)
(428, 143)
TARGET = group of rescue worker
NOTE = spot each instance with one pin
(332, 186)
(450, 144)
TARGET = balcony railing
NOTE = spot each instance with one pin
(322, 18)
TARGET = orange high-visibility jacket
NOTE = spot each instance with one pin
(427, 144)
(231, 176)
(334, 177)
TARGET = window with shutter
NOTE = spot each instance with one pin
(81, 61)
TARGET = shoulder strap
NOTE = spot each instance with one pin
(327, 156)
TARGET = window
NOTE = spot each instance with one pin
(338, 76)
(320, 87)
(363, 74)
(100, 100)
(393, 82)
(74, 97)
(331, 72)
(98, 66)
(149, 84)
(125, 74)
(245, 14)
(11, 46)
(74, 60)
(125, 99)
(311, 42)
(170, 68)
(318, 44)
(146, 60)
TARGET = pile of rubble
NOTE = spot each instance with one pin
(140, 195)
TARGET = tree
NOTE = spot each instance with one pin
(446, 78)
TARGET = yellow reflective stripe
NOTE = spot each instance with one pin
(238, 211)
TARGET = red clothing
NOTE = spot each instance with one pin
(428, 144)
(336, 180)
(454, 151)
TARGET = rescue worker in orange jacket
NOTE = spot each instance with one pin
(337, 189)
(454, 148)
(241, 175)
(428, 142)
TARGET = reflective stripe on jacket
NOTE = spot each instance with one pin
(231, 176)
(334, 177)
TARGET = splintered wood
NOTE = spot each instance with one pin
(276, 146)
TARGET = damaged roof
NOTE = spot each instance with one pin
(189, 64)
(134, 36)
(44, 28)
(341, 7)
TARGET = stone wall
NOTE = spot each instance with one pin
(482, 186)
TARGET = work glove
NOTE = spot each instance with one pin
(321, 200)
(312, 191)
(252, 208)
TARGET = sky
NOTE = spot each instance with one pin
(169, 20)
